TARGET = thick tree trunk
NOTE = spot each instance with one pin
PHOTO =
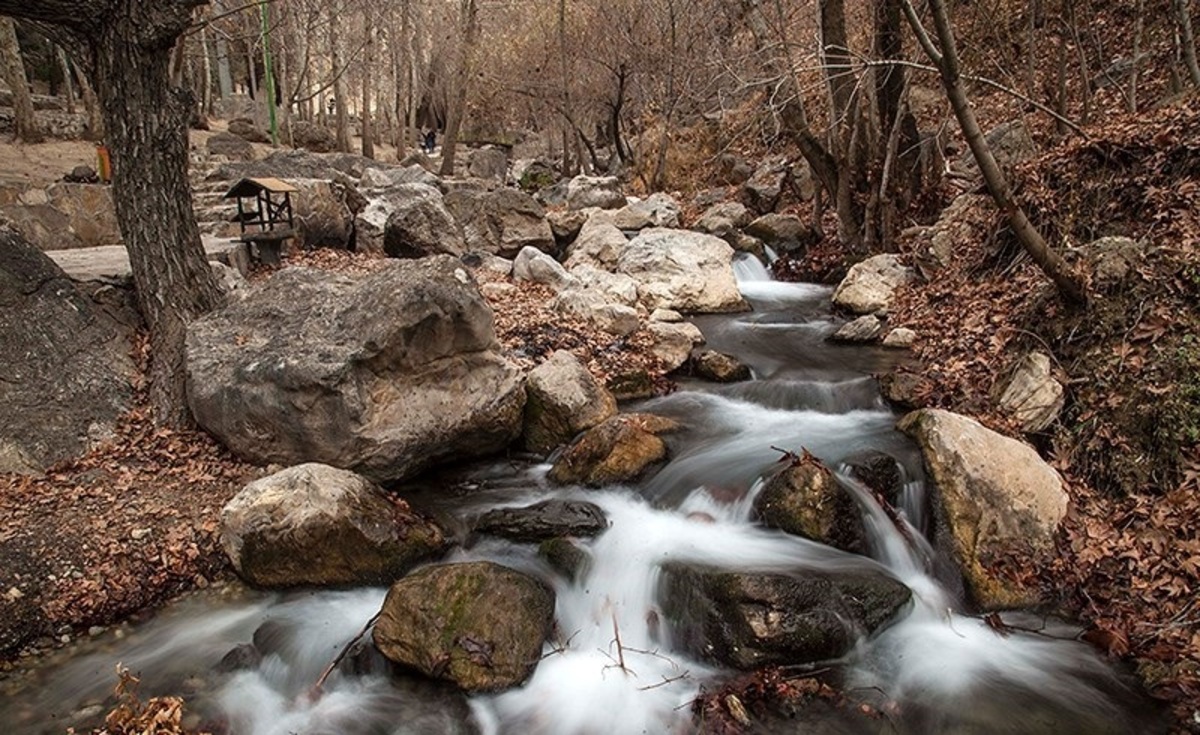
(14, 75)
(146, 122)
(1069, 284)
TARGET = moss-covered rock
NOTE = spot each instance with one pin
(478, 624)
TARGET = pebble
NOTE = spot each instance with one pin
(14, 594)
(140, 533)
(95, 630)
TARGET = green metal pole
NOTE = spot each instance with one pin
(262, 6)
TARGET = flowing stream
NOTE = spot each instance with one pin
(935, 670)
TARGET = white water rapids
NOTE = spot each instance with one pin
(940, 669)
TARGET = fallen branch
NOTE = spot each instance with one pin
(315, 692)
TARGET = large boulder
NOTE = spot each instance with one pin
(671, 343)
(619, 450)
(323, 217)
(317, 525)
(478, 624)
(563, 400)
(657, 210)
(545, 520)
(1010, 143)
(682, 270)
(1032, 395)
(313, 137)
(595, 191)
(786, 233)
(500, 222)
(804, 499)
(387, 177)
(724, 219)
(41, 225)
(91, 214)
(489, 162)
(231, 146)
(761, 193)
(865, 328)
(996, 501)
(385, 374)
(419, 224)
(65, 364)
(245, 129)
(598, 244)
(748, 621)
(719, 367)
(870, 285)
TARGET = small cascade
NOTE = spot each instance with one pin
(614, 666)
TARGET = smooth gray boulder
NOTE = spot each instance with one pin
(317, 525)
(385, 374)
(419, 224)
(870, 285)
(595, 191)
(690, 272)
(501, 222)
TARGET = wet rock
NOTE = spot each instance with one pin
(545, 520)
(677, 269)
(65, 365)
(398, 370)
(719, 367)
(478, 625)
(631, 385)
(619, 450)
(420, 224)
(563, 399)
(239, 658)
(595, 191)
(315, 524)
(723, 219)
(863, 329)
(752, 620)
(804, 499)
(868, 286)
(784, 232)
(1032, 395)
(903, 389)
(230, 146)
(998, 501)
(565, 556)
(880, 473)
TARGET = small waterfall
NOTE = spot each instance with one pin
(934, 670)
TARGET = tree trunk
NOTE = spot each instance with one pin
(14, 74)
(68, 85)
(1183, 15)
(469, 18)
(1069, 284)
(224, 76)
(339, 88)
(1138, 28)
(368, 142)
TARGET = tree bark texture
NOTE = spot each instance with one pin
(342, 121)
(1187, 40)
(1069, 284)
(469, 19)
(14, 74)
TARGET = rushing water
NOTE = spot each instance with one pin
(934, 670)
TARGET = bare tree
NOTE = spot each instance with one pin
(342, 121)
(14, 74)
(469, 23)
(1069, 284)
(146, 124)
(1183, 17)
